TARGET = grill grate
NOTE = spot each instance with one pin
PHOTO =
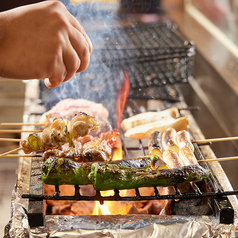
(154, 55)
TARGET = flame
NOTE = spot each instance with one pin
(109, 206)
(122, 98)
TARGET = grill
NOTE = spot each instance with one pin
(210, 188)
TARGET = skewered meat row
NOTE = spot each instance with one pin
(59, 132)
(124, 174)
(86, 149)
(148, 117)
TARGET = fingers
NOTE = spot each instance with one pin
(82, 48)
(57, 71)
(77, 25)
(76, 50)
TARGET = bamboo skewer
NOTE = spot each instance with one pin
(219, 159)
(19, 131)
(10, 139)
(23, 155)
(21, 124)
(11, 151)
(215, 140)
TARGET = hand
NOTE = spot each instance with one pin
(42, 41)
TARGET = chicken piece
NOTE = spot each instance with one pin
(82, 125)
(148, 117)
(96, 151)
(183, 139)
(169, 140)
(144, 131)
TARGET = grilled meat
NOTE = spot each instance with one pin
(87, 148)
(59, 132)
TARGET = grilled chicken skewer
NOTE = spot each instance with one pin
(87, 149)
(59, 132)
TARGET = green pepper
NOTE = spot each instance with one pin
(108, 176)
(34, 141)
(121, 174)
(65, 171)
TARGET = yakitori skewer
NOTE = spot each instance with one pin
(215, 140)
(11, 151)
(10, 140)
(20, 131)
(23, 155)
(219, 159)
(21, 124)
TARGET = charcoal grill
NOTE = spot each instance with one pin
(221, 206)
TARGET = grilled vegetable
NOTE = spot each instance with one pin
(154, 145)
(148, 117)
(108, 176)
(124, 174)
(144, 131)
(58, 171)
(172, 159)
(187, 156)
(60, 131)
(169, 140)
(183, 139)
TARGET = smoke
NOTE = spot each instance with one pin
(101, 81)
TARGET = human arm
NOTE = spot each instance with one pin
(42, 41)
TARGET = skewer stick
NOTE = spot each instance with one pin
(219, 159)
(23, 155)
(11, 151)
(21, 124)
(19, 131)
(10, 139)
(215, 140)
